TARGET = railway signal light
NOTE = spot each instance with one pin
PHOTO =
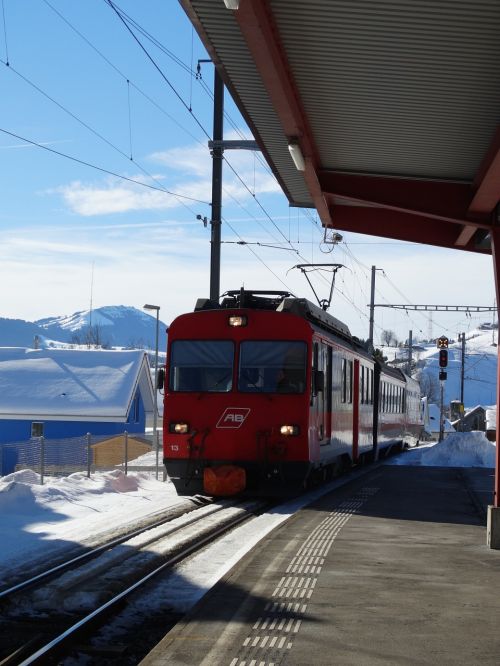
(443, 358)
(442, 342)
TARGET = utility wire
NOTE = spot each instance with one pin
(122, 75)
(97, 134)
(107, 171)
(5, 33)
(157, 67)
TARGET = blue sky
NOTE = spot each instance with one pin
(79, 83)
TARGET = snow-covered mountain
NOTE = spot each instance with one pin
(113, 326)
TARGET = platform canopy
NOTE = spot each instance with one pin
(394, 107)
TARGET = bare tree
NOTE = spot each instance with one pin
(429, 386)
(389, 338)
(91, 337)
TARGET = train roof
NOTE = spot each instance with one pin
(279, 301)
(397, 373)
(307, 310)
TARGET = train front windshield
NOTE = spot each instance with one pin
(272, 366)
(202, 365)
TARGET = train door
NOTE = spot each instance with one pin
(321, 394)
(328, 394)
(355, 411)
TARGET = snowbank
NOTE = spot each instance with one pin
(460, 449)
(36, 519)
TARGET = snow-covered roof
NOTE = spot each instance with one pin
(434, 414)
(71, 384)
(491, 418)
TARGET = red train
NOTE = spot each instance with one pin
(267, 393)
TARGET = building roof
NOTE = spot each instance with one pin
(393, 105)
(433, 424)
(72, 385)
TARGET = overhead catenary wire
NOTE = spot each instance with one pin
(259, 258)
(157, 67)
(122, 75)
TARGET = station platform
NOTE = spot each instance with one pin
(392, 568)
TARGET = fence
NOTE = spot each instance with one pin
(87, 454)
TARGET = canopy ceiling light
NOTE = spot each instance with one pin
(297, 157)
(232, 4)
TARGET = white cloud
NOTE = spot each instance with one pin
(190, 177)
(88, 200)
(193, 160)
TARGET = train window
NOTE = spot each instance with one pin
(329, 362)
(272, 366)
(315, 367)
(367, 386)
(362, 384)
(201, 365)
(349, 392)
(347, 381)
(344, 381)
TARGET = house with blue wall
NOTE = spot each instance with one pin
(64, 393)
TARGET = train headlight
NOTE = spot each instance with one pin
(179, 428)
(289, 430)
(238, 320)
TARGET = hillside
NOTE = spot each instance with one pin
(480, 374)
(114, 325)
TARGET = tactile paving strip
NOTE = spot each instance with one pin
(271, 637)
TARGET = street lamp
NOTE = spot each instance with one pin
(155, 412)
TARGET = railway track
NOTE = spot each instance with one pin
(90, 551)
(63, 608)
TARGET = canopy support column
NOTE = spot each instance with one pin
(493, 526)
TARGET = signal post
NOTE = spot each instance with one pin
(442, 344)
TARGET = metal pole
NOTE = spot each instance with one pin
(42, 459)
(126, 452)
(148, 306)
(217, 156)
(441, 414)
(155, 413)
(372, 310)
(89, 439)
(462, 371)
(410, 351)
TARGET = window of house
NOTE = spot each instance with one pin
(37, 429)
